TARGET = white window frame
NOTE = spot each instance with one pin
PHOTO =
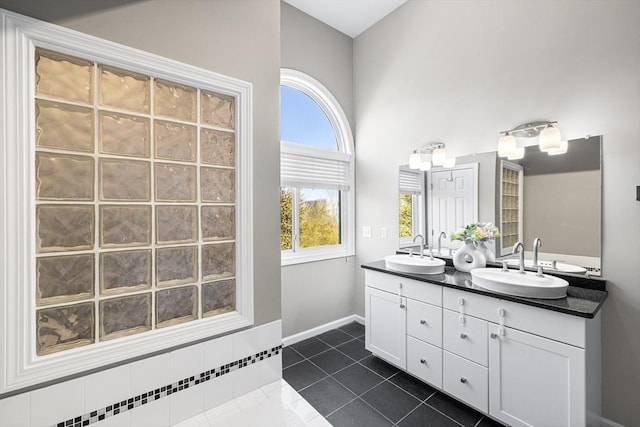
(345, 153)
(20, 366)
(417, 207)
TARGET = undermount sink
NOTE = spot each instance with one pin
(515, 283)
(548, 265)
(414, 264)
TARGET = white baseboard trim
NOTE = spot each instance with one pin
(608, 423)
(301, 336)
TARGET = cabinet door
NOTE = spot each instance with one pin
(535, 381)
(385, 326)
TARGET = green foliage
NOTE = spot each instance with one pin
(319, 224)
(476, 232)
(318, 219)
(406, 215)
(286, 218)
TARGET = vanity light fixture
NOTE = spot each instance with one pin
(431, 155)
(415, 159)
(550, 139)
(506, 145)
(439, 156)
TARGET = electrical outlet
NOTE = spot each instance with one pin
(383, 233)
(366, 231)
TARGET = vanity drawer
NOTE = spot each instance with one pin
(466, 380)
(468, 339)
(415, 289)
(548, 323)
(424, 321)
(424, 361)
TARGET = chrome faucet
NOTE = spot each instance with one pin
(536, 246)
(442, 234)
(421, 244)
(519, 249)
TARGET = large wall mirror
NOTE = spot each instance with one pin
(555, 198)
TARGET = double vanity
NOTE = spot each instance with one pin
(525, 361)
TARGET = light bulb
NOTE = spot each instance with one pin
(439, 157)
(550, 138)
(506, 145)
(564, 146)
(517, 154)
(414, 160)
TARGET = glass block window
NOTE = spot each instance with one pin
(135, 210)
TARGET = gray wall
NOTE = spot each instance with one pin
(460, 72)
(560, 207)
(318, 292)
(236, 38)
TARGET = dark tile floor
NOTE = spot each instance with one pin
(351, 388)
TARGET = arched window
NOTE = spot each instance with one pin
(316, 172)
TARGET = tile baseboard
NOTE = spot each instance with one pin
(301, 336)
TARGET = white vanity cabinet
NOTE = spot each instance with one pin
(386, 328)
(522, 365)
(535, 381)
(404, 315)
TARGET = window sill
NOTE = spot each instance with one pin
(289, 258)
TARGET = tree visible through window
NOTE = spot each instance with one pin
(410, 204)
(316, 171)
(406, 215)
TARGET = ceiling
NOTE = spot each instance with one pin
(351, 17)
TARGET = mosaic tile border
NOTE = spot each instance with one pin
(160, 392)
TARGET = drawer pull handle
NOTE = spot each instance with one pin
(463, 336)
(424, 362)
(463, 380)
(401, 305)
(493, 335)
(423, 322)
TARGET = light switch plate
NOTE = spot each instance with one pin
(383, 233)
(366, 231)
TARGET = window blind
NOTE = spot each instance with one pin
(308, 167)
(410, 182)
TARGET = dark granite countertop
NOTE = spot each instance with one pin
(584, 296)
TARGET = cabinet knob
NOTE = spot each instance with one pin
(423, 322)
(424, 362)
(401, 305)
(463, 336)
(463, 380)
(460, 300)
(493, 335)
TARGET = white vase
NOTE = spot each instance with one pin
(488, 253)
(468, 258)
